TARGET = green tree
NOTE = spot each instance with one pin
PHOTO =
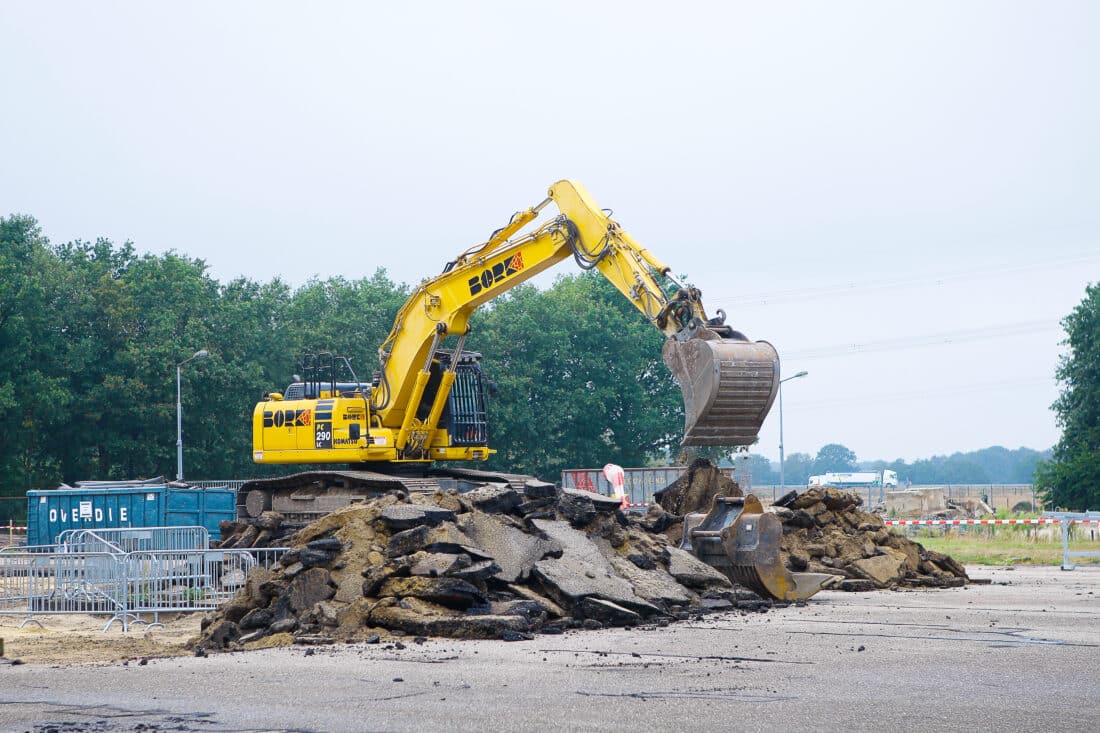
(350, 318)
(100, 319)
(797, 468)
(251, 342)
(1072, 477)
(834, 457)
(33, 395)
(762, 471)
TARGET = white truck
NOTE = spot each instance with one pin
(853, 479)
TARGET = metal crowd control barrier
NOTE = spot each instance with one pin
(162, 581)
(1068, 519)
(24, 549)
(38, 583)
(125, 572)
(124, 586)
(265, 557)
(135, 539)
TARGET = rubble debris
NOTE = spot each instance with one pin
(503, 563)
(490, 563)
(267, 530)
(825, 531)
(695, 490)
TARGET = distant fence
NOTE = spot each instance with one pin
(134, 539)
(641, 483)
(998, 496)
(11, 534)
(233, 483)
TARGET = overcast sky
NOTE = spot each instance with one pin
(903, 198)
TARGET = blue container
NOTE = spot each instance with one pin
(126, 504)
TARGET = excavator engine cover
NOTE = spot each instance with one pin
(739, 538)
(729, 385)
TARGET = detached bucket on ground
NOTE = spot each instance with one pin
(729, 385)
(739, 538)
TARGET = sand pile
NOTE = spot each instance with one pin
(696, 489)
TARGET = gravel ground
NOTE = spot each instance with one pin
(1019, 653)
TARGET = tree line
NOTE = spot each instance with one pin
(995, 465)
(91, 333)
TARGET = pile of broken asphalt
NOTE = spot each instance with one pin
(490, 563)
(824, 531)
(495, 562)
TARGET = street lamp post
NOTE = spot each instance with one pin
(200, 354)
(782, 478)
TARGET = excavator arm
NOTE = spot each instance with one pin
(728, 382)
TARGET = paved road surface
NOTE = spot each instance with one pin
(1022, 653)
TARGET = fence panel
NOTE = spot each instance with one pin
(123, 586)
(265, 557)
(135, 539)
(61, 583)
(641, 483)
(183, 580)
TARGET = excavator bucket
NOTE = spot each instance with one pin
(740, 539)
(729, 385)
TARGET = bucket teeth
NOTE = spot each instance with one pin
(728, 386)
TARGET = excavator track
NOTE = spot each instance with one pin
(308, 495)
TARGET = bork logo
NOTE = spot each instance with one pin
(496, 273)
(290, 418)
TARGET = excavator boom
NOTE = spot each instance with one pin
(728, 381)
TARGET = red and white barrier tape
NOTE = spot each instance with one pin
(957, 522)
(915, 522)
(954, 522)
(10, 527)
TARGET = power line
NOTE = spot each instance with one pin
(921, 394)
(775, 297)
(945, 338)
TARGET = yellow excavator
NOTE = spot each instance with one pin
(426, 403)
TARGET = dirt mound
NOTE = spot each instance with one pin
(494, 562)
(824, 531)
(696, 489)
